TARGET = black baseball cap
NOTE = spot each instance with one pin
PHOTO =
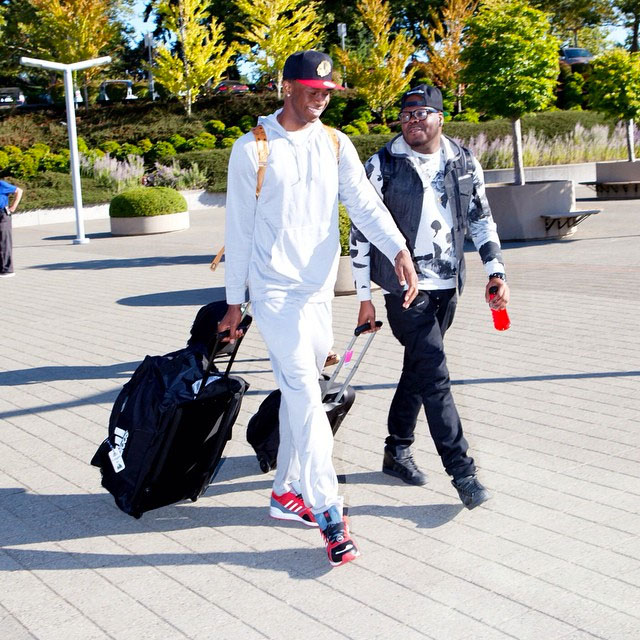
(424, 95)
(312, 68)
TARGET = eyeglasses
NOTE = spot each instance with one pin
(418, 114)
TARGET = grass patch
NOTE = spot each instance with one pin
(50, 190)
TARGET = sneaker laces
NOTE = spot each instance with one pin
(408, 461)
(335, 532)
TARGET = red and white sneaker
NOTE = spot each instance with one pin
(340, 546)
(290, 506)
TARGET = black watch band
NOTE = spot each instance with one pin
(502, 276)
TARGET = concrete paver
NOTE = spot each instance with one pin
(550, 409)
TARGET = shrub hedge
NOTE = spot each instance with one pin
(129, 123)
(147, 201)
(212, 162)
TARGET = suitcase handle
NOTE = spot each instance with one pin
(365, 327)
(357, 332)
(243, 326)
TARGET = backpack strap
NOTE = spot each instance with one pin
(386, 168)
(464, 164)
(334, 139)
(263, 154)
(263, 151)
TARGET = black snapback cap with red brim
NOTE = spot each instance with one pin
(424, 95)
(311, 68)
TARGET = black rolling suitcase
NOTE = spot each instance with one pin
(168, 428)
(262, 429)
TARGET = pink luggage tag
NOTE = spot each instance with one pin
(347, 357)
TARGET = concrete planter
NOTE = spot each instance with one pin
(618, 180)
(144, 225)
(518, 209)
(344, 282)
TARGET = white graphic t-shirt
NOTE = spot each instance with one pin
(434, 252)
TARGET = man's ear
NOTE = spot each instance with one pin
(287, 88)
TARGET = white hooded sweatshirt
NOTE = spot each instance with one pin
(286, 242)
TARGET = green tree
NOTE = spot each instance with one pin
(73, 30)
(275, 29)
(14, 42)
(377, 70)
(511, 65)
(614, 89)
(630, 11)
(573, 91)
(444, 43)
(570, 17)
(200, 55)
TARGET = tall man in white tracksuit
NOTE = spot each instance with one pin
(284, 246)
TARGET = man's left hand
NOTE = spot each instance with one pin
(406, 276)
(502, 294)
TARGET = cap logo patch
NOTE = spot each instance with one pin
(324, 68)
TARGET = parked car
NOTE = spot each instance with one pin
(11, 97)
(263, 86)
(575, 55)
(231, 86)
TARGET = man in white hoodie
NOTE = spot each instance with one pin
(284, 246)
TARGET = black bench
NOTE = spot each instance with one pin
(629, 187)
(569, 219)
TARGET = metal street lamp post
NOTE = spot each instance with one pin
(69, 96)
(342, 32)
(148, 41)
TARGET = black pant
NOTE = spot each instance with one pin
(6, 243)
(425, 379)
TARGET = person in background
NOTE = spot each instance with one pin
(7, 192)
(284, 245)
(435, 191)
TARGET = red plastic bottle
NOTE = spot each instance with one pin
(500, 318)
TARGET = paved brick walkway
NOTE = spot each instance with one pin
(550, 409)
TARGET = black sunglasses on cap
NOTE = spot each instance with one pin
(418, 114)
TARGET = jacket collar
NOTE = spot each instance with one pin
(398, 148)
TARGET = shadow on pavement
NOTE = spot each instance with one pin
(33, 519)
(285, 560)
(105, 397)
(425, 516)
(123, 263)
(175, 298)
(55, 373)
(92, 236)
(538, 378)
(65, 518)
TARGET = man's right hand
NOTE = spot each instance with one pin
(406, 273)
(367, 314)
(230, 321)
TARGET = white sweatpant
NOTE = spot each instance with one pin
(298, 335)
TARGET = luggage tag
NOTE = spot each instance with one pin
(346, 360)
(348, 355)
(115, 455)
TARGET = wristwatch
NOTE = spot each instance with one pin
(502, 276)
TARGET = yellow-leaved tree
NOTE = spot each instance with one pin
(275, 29)
(444, 43)
(72, 30)
(377, 71)
(200, 54)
